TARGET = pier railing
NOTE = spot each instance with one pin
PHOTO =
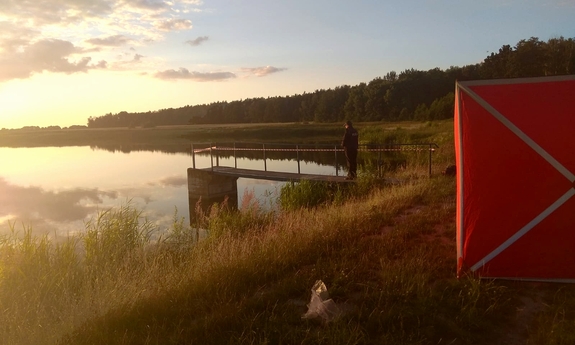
(214, 150)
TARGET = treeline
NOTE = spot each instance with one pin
(409, 95)
(39, 128)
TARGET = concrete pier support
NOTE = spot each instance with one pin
(208, 188)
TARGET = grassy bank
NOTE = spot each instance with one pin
(387, 261)
(170, 135)
(182, 135)
(386, 255)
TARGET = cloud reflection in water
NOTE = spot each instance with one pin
(64, 212)
(55, 190)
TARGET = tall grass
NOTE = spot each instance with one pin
(249, 281)
(310, 194)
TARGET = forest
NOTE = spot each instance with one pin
(409, 95)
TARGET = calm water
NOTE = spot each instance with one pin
(56, 190)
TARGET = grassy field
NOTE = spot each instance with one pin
(169, 135)
(386, 253)
(183, 135)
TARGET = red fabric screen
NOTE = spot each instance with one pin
(515, 149)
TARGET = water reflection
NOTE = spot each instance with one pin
(314, 157)
(36, 202)
(56, 190)
(45, 208)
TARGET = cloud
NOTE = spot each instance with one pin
(197, 41)
(35, 202)
(174, 25)
(80, 35)
(147, 4)
(183, 73)
(262, 71)
(56, 11)
(172, 181)
(114, 41)
(130, 61)
(50, 55)
(13, 36)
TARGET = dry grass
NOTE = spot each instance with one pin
(249, 281)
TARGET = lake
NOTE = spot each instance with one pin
(55, 190)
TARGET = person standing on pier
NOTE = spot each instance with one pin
(350, 143)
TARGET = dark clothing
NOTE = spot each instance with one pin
(350, 143)
(351, 156)
(350, 138)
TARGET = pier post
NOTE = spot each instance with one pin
(207, 188)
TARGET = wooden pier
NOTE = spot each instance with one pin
(273, 175)
(217, 181)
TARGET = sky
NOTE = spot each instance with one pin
(63, 61)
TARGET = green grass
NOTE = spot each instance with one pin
(385, 252)
(181, 136)
(171, 138)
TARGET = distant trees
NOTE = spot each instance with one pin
(531, 58)
(409, 95)
(164, 117)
